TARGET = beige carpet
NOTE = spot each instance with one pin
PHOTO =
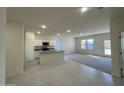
(97, 62)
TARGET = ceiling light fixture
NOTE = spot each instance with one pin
(68, 31)
(80, 34)
(38, 32)
(84, 9)
(43, 26)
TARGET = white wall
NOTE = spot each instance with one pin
(98, 44)
(14, 49)
(116, 27)
(2, 44)
(68, 44)
(29, 46)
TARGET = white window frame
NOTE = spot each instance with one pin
(107, 51)
(60, 46)
(88, 43)
(85, 44)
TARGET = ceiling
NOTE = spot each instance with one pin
(60, 19)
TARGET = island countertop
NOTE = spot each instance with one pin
(51, 56)
(51, 51)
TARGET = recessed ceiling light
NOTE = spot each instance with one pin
(58, 34)
(80, 34)
(43, 26)
(38, 32)
(68, 30)
(84, 9)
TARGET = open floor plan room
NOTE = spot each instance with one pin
(62, 46)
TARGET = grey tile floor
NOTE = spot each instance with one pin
(65, 73)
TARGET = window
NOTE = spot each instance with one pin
(87, 44)
(58, 44)
(83, 44)
(107, 47)
(90, 44)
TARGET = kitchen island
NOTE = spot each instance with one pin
(51, 56)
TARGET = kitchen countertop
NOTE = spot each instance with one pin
(51, 51)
